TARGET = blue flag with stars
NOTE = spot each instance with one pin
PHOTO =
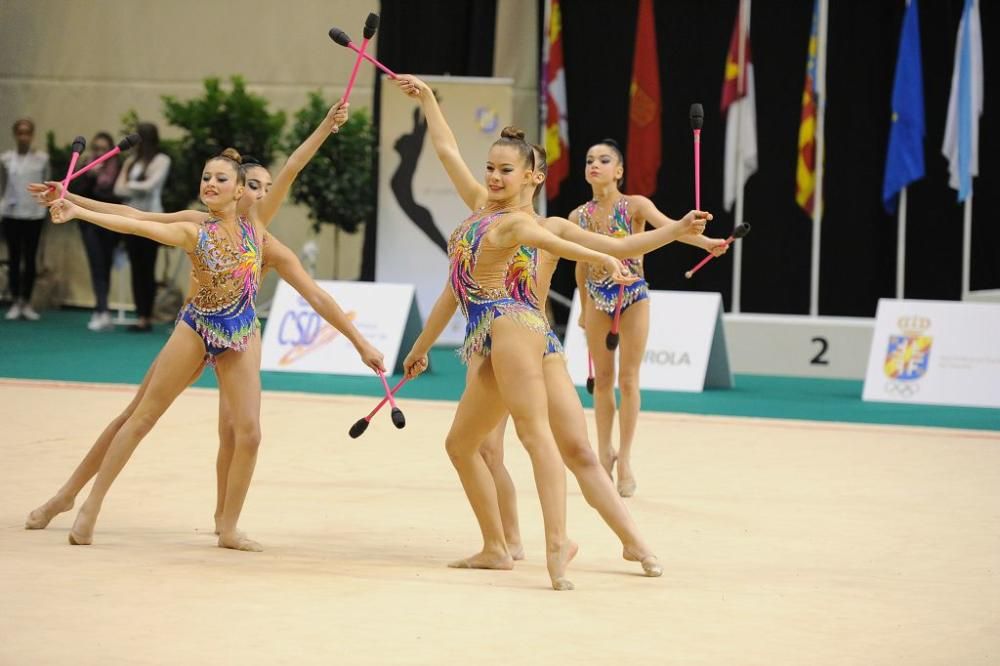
(905, 161)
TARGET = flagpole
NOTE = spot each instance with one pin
(966, 246)
(901, 239)
(901, 246)
(820, 145)
(741, 90)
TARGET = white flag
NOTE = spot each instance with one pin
(965, 105)
(745, 109)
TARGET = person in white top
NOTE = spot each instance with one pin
(22, 215)
(140, 185)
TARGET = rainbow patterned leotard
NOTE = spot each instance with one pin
(602, 291)
(522, 284)
(477, 272)
(223, 310)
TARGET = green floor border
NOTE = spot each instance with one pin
(61, 348)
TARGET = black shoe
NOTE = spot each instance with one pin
(141, 328)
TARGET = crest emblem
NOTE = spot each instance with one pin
(908, 355)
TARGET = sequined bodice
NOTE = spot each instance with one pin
(617, 225)
(227, 270)
(477, 267)
(529, 275)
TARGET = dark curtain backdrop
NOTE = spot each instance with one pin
(858, 264)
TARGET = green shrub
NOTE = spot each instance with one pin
(337, 184)
(217, 120)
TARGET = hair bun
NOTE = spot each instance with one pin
(511, 132)
(231, 153)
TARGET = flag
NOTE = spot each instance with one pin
(965, 105)
(739, 106)
(805, 172)
(905, 160)
(554, 94)
(642, 154)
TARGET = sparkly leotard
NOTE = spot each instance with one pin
(223, 310)
(523, 284)
(477, 272)
(603, 292)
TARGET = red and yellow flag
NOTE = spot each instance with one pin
(739, 106)
(734, 82)
(805, 173)
(554, 96)
(642, 153)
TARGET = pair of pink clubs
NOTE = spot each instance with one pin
(398, 419)
(79, 143)
(342, 38)
(697, 117)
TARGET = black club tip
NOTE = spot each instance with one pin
(358, 428)
(371, 25)
(339, 36)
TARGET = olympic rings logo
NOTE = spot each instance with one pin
(903, 390)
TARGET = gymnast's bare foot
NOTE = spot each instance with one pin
(485, 559)
(40, 518)
(516, 551)
(236, 540)
(82, 532)
(650, 565)
(626, 482)
(218, 524)
(556, 561)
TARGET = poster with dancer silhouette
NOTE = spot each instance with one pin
(417, 205)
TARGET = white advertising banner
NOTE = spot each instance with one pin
(417, 205)
(935, 352)
(296, 339)
(686, 349)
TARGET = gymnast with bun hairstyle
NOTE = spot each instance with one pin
(226, 251)
(281, 259)
(611, 213)
(505, 339)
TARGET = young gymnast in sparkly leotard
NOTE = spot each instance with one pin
(611, 213)
(528, 279)
(289, 268)
(224, 248)
(505, 339)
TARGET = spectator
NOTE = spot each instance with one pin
(140, 185)
(22, 215)
(100, 243)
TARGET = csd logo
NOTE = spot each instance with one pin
(299, 328)
(303, 332)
